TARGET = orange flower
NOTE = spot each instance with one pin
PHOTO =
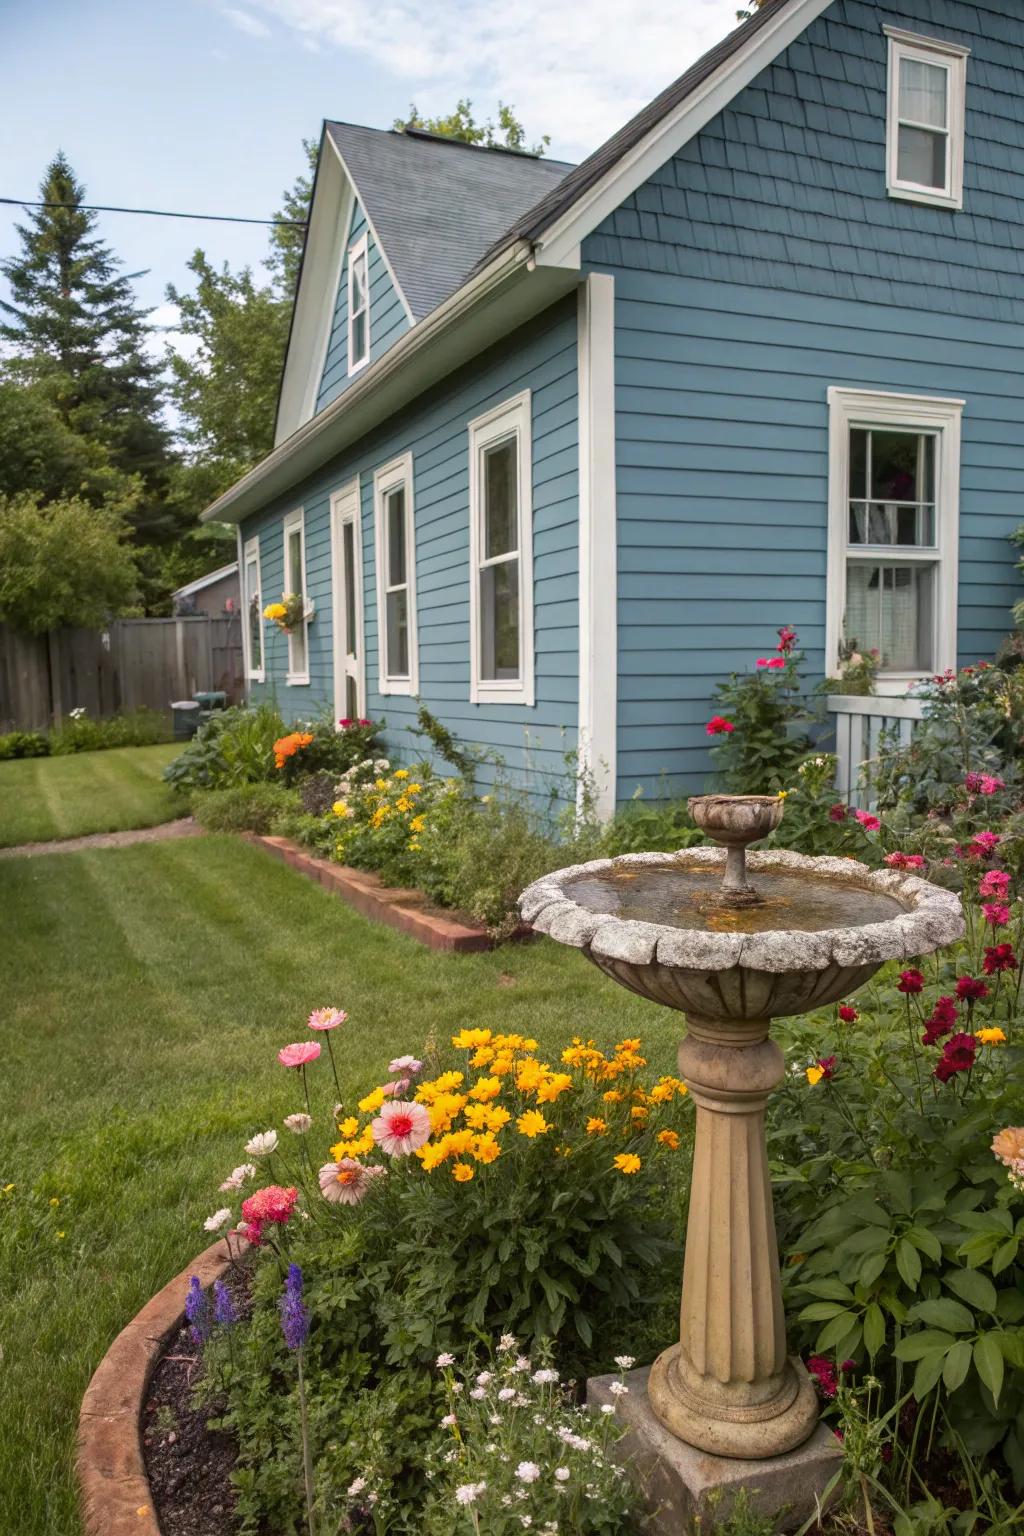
(669, 1139)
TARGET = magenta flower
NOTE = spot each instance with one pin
(327, 1018)
(300, 1054)
(869, 822)
(997, 913)
(395, 1089)
(401, 1127)
(406, 1064)
(994, 882)
(904, 861)
(837, 812)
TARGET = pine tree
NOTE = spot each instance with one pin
(74, 326)
(288, 238)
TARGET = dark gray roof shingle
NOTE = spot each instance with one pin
(436, 204)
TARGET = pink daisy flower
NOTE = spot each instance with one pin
(298, 1055)
(347, 1182)
(401, 1127)
(395, 1089)
(327, 1018)
(405, 1064)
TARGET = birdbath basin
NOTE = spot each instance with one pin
(734, 940)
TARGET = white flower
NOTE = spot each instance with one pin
(546, 1377)
(524, 1519)
(527, 1471)
(356, 1487)
(495, 1418)
(237, 1176)
(562, 1474)
(444, 1359)
(607, 1407)
(449, 1421)
(77, 714)
(618, 1389)
(218, 1219)
(507, 1342)
(484, 1378)
(520, 1400)
(262, 1144)
(477, 1393)
(625, 1362)
(456, 1387)
(522, 1363)
(468, 1493)
(298, 1124)
(506, 1394)
(506, 1499)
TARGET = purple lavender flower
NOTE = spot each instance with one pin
(224, 1313)
(294, 1313)
(197, 1311)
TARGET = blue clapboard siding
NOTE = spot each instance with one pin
(542, 358)
(388, 319)
(762, 264)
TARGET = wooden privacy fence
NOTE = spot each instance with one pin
(859, 723)
(130, 664)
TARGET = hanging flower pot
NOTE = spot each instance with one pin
(293, 609)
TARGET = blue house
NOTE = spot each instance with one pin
(559, 447)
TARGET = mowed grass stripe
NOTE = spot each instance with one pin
(54, 797)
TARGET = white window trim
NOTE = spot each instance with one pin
(511, 418)
(296, 519)
(953, 58)
(358, 248)
(926, 413)
(346, 507)
(598, 557)
(251, 550)
(388, 478)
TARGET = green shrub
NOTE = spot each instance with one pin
(23, 744)
(244, 807)
(760, 726)
(646, 826)
(319, 746)
(235, 746)
(139, 728)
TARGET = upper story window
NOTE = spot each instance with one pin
(358, 305)
(925, 128)
(894, 506)
(395, 549)
(252, 599)
(295, 581)
(501, 555)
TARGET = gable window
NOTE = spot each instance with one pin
(395, 549)
(501, 555)
(894, 492)
(252, 599)
(925, 128)
(295, 581)
(358, 305)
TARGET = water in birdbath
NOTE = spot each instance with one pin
(688, 896)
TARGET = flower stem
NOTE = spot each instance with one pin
(307, 1456)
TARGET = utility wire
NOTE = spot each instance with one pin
(155, 213)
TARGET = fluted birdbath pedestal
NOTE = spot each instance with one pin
(779, 935)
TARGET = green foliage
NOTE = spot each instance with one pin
(507, 133)
(761, 739)
(235, 746)
(446, 744)
(645, 826)
(858, 671)
(244, 807)
(62, 563)
(139, 728)
(23, 744)
(288, 238)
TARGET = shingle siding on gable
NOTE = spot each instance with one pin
(388, 320)
(542, 358)
(762, 264)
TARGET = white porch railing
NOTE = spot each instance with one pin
(859, 723)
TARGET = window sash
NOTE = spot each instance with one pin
(253, 604)
(295, 581)
(501, 597)
(358, 304)
(395, 551)
(925, 148)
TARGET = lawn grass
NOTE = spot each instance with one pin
(146, 991)
(48, 797)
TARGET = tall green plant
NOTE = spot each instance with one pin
(760, 728)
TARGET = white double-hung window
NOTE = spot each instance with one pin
(295, 582)
(501, 555)
(358, 305)
(395, 551)
(925, 126)
(252, 599)
(894, 506)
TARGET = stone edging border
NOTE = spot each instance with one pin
(397, 908)
(114, 1490)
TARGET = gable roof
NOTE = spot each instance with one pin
(436, 205)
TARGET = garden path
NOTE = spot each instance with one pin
(185, 826)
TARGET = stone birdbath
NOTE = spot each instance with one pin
(734, 940)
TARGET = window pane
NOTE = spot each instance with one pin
(858, 462)
(359, 283)
(921, 157)
(499, 621)
(294, 574)
(395, 515)
(901, 470)
(255, 618)
(359, 337)
(501, 474)
(396, 656)
(348, 550)
(923, 92)
(890, 608)
(351, 699)
(297, 658)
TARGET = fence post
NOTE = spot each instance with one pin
(53, 658)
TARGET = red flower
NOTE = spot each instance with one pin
(837, 812)
(847, 1014)
(998, 957)
(982, 845)
(824, 1373)
(716, 726)
(787, 639)
(868, 822)
(969, 990)
(344, 723)
(997, 913)
(943, 1018)
(910, 982)
(958, 1055)
(995, 882)
(272, 1204)
(774, 662)
(904, 861)
(828, 1067)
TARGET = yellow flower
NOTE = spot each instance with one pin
(783, 794)
(481, 1056)
(661, 1093)
(59, 1236)
(444, 1108)
(596, 1126)
(403, 803)
(639, 1115)
(469, 1039)
(349, 1127)
(463, 1172)
(414, 846)
(990, 1036)
(669, 1139)
(432, 1154)
(274, 611)
(379, 816)
(486, 1148)
(553, 1085)
(414, 789)
(459, 1142)
(532, 1124)
(54, 1200)
(500, 1066)
(485, 1088)
(476, 1116)
(497, 1116)
(357, 1146)
(373, 1101)
(815, 1075)
(341, 809)
(627, 1162)
(401, 773)
(530, 1074)
(380, 783)
(613, 1096)
(417, 823)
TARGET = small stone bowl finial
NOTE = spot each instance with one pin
(736, 821)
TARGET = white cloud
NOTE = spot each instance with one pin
(574, 71)
(251, 25)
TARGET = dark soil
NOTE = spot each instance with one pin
(188, 1464)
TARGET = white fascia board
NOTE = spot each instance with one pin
(491, 305)
(559, 244)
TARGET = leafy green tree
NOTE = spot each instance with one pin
(288, 237)
(507, 133)
(63, 562)
(40, 452)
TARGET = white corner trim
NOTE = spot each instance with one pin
(953, 58)
(398, 472)
(942, 415)
(512, 418)
(358, 248)
(347, 507)
(598, 562)
(556, 244)
(295, 677)
(247, 551)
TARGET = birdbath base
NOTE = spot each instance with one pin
(682, 1485)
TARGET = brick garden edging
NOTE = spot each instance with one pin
(113, 1487)
(398, 908)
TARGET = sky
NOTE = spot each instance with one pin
(201, 106)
